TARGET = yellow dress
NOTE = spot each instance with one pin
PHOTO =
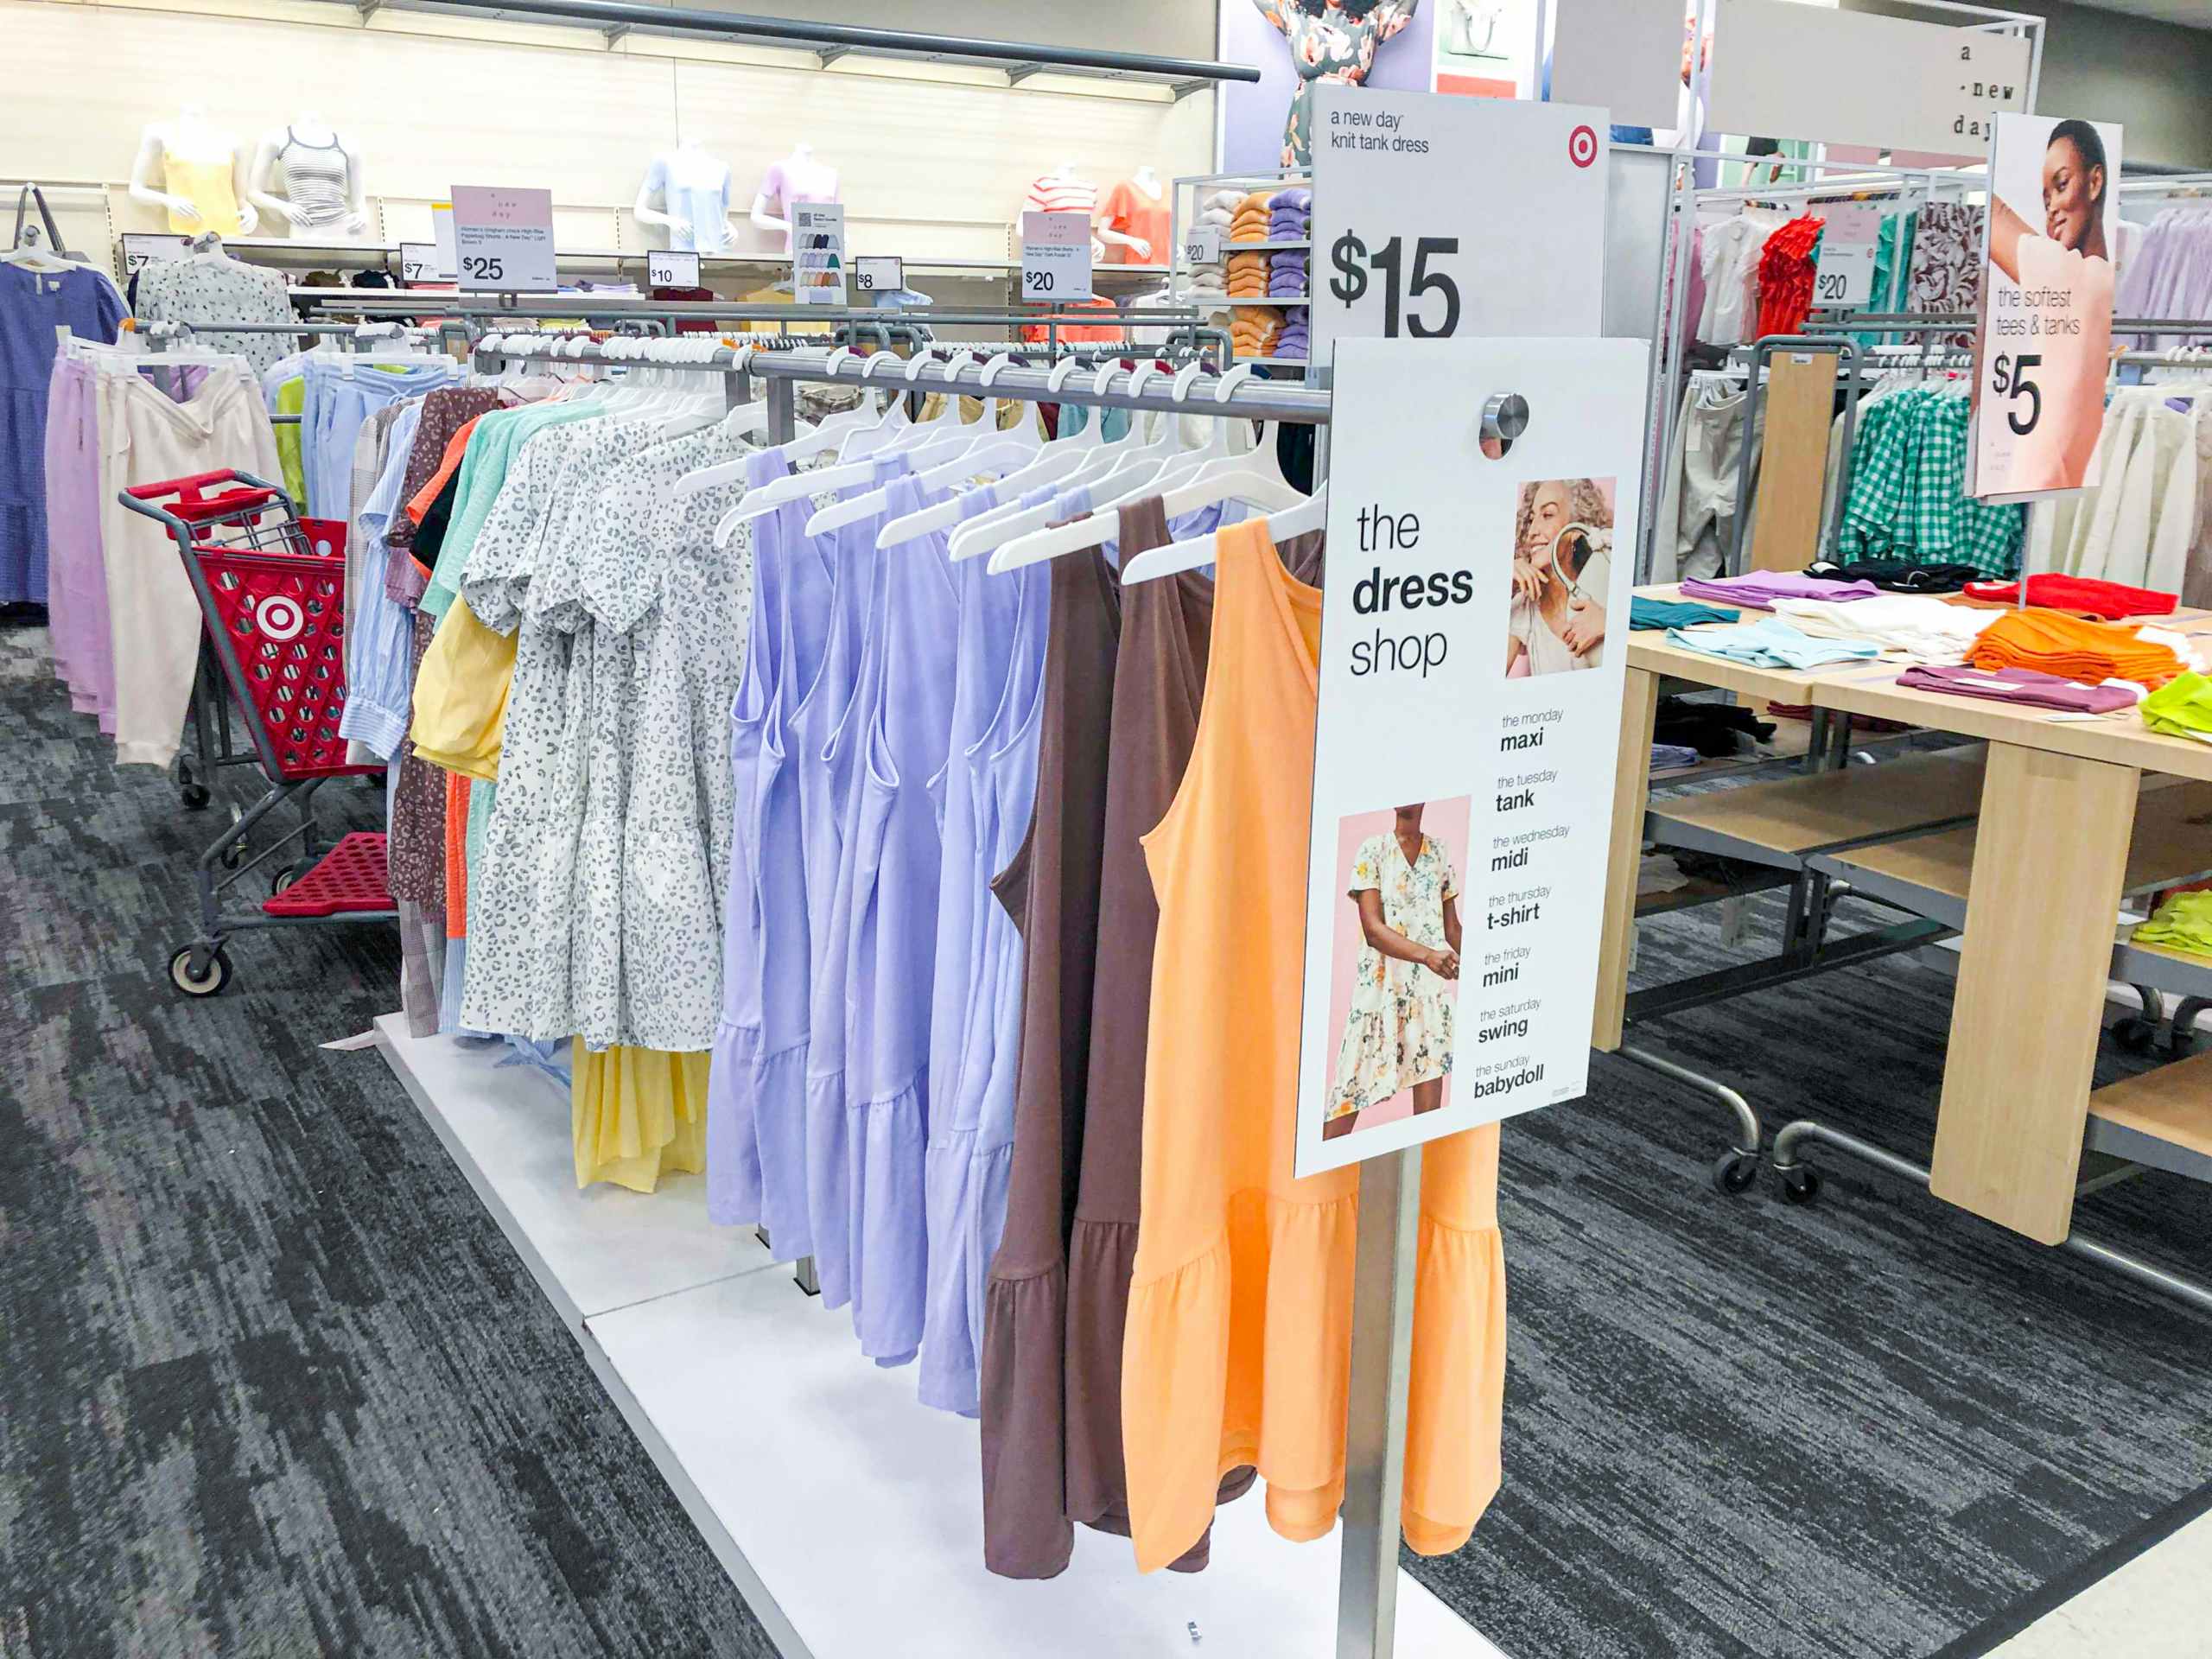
(636, 1113)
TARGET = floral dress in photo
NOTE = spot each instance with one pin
(1399, 1031)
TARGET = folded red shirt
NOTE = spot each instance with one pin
(2085, 594)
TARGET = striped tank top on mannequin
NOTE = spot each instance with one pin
(316, 179)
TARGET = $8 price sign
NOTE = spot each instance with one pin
(1405, 289)
(2009, 379)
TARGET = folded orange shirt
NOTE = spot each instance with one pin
(2089, 651)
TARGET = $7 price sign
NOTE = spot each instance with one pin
(1402, 290)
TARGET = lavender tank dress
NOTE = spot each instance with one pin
(736, 1192)
(896, 853)
(829, 742)
(971, 1130)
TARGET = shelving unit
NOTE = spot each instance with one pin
(1188, 191)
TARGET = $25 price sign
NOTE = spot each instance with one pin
(1437, 217)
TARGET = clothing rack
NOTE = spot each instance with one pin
(1383, 1283)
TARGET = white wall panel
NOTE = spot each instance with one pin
(933, 160)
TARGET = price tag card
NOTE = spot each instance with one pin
(671, 268)
(141, 250)
(1843, 275)
(502, 239)
(419, 261)
(1479, 586)
(877, 274)
(818, 254)
(1405, 233)
(1055, 258)
(2050, 243)
(1202, 245)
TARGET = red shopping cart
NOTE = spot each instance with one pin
(272, 589)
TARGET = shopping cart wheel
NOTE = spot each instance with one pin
(289, 873)
(1735, 1171)
(190, 789)
(200, 972)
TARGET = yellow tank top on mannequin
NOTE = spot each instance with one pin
(206, 186)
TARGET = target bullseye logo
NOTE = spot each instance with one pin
(1582, 146)
(280, 618)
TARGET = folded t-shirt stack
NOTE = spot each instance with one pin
(2181, 707)
(1663, 613)
(1255, 330)
(2183, 923)
(1911, 627)
(1772, 643)
(2086, 595)
(2092, 652)
(2025, 685)
(1251, 221)
(1899, 575)
(1762, 587)
(1293, 341)
(1216, 209)
(1286, 275)
(1248, 276)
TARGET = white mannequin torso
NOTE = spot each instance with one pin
(686, 192)
(798, 177)
(195, 172)
(332, 199)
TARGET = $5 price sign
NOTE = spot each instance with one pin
(1404, 290)
(2009, 379)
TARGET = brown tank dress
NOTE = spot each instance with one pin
(1058, 1292)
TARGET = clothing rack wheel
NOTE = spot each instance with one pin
(1801, 1184)
(1736, 1170)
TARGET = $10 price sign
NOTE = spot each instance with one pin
(1437, 217)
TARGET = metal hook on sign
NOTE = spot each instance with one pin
(1505, 417)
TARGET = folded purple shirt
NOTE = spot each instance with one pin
(2027, 686)
(1762, 587)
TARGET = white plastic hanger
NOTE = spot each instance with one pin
(1236, 481)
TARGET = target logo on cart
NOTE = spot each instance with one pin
(1582, 146)
(280, 618)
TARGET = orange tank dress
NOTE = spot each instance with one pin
(1239, 1338)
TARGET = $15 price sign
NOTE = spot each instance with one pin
(1399, 285)
(1436, 216)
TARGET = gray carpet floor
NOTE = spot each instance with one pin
(1854, 1430)
(272, 1382)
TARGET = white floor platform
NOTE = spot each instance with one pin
(845, 1512)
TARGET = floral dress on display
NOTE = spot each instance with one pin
(1329, 39)
(1399, 1031)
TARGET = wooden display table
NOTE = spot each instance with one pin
(2050, 854)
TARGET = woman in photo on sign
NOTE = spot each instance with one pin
(1555, 623)
(1398, 1035)
(2066, 274)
